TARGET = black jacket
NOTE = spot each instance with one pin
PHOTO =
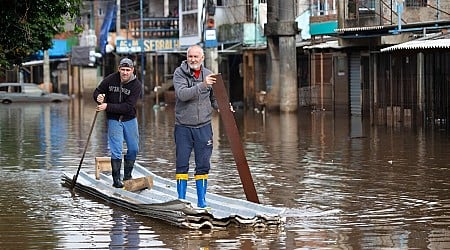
(120, 97)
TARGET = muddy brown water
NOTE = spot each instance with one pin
(344, 184)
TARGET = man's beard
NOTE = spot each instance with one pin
(195, 66)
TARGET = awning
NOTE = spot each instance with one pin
(354, 29)
(325, 45)
(419, 44)
(40, 62)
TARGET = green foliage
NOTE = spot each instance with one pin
(30, 25)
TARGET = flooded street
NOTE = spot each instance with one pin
(345, 185)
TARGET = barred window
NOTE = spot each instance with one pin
(416, 3)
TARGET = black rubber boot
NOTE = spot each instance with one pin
(116, 164)
(127, 169)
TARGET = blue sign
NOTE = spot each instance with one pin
(210, 38)
(146, 45)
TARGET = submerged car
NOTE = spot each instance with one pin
(28, 92)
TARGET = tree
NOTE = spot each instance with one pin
(28, 26)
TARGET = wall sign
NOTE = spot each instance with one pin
(146, 45)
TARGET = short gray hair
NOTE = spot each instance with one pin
(195, 46)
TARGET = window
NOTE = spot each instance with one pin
(189, 5)
(222, 3)
(33, 90)
(366, 6)
(323, 7)
(351, 9)
(190, 26)
(355, 8)
(249, 11)
(416, 3)
(101, 12)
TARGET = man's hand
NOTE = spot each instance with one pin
(102, 106)
(210, 79)
(101, 98)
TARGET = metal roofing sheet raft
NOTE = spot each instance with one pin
(161, 202)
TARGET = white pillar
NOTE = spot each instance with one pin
(46, 72)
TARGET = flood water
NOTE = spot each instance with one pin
(344, 184)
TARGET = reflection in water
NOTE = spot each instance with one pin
(127, 232)
(345, 184)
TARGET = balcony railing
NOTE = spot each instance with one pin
(157, 27)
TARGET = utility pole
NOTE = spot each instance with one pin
(210, 39)
(273, 89)
(288, 58)
(280, 30)
(118, 18)
(46, 67)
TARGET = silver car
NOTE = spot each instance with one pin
(28, 92)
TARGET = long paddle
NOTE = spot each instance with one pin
(74, 181)
(233, 137)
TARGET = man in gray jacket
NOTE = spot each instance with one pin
(194, 105)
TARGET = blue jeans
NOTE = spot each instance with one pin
(119, 131)
(198, 139)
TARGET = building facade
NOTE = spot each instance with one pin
(382, 65)
(386, 61)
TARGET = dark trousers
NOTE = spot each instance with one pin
(198, 139)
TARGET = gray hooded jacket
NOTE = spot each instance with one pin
(194, 102)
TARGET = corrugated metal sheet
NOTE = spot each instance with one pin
(420, 44)
(161, 202)
(325, 45)
(352, 29)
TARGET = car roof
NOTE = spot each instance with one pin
(17, 83)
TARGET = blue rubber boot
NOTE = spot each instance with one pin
(201, 182)
(181, 185)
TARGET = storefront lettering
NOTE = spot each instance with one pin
(149, 45)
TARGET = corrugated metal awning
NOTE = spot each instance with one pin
(325, 45)
(353, 29)
(419, 44)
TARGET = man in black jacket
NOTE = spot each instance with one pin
(118, 94)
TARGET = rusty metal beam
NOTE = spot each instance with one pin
(232, 132)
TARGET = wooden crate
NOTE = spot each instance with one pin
(138, 184)
(102, 164)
